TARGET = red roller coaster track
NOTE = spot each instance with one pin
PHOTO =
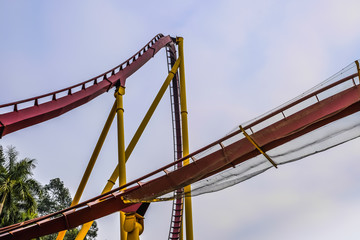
(21, 118)
(339, 105)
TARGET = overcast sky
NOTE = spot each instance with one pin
(242, 58)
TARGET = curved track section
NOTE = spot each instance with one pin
(35, 110)
(228, 155)
(178, 203)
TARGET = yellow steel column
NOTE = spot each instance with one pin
(91, 163)
(134, 226)
(151, 110)
(185, 138)
(181, 232)
(121, 149)
(111, 182)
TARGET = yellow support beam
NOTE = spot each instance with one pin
(109, 185)
(185, 138)
(91, 163)
(358, 68)
(134, 226)
(152, 109)
(257, 146)
(121, 150)
(111, 182)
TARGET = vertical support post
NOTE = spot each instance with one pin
(185, 136)
(121, 150)
(111, 182)
(91, 163)
(134, 226)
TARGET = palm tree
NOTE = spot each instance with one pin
(18, 190)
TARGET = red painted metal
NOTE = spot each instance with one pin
(319, 114)
(314, 94)
(40, 112)
(177, 215)
(178, 203)
(68, 218)
(242, 150)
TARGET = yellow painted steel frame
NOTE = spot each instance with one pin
(185, 139)
(134, 226)
(257, 146)
(111, 182)
(121, 150)
(358, 68)
(91, 163)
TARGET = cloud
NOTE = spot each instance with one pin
(242, 59)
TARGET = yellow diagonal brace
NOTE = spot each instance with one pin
(358, 68)
(257, 146)
(111, 182)
(91, 163)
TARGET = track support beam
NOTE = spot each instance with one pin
(257, 146)
(114, 176)
(134, 225)
(358, 68)
(121, 149)
(91, 163)
(185, 138)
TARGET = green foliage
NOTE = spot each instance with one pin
(2, 156)
(18, 190)
(55, 197)
(23, 198)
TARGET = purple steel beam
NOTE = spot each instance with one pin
(177, 209)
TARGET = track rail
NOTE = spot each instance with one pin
(178, 203)
(31, 111)
(148, 187)
(309, 119)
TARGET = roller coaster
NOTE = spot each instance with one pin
(315, 121)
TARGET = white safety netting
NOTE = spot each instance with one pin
(320, 139)
(347, 71)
